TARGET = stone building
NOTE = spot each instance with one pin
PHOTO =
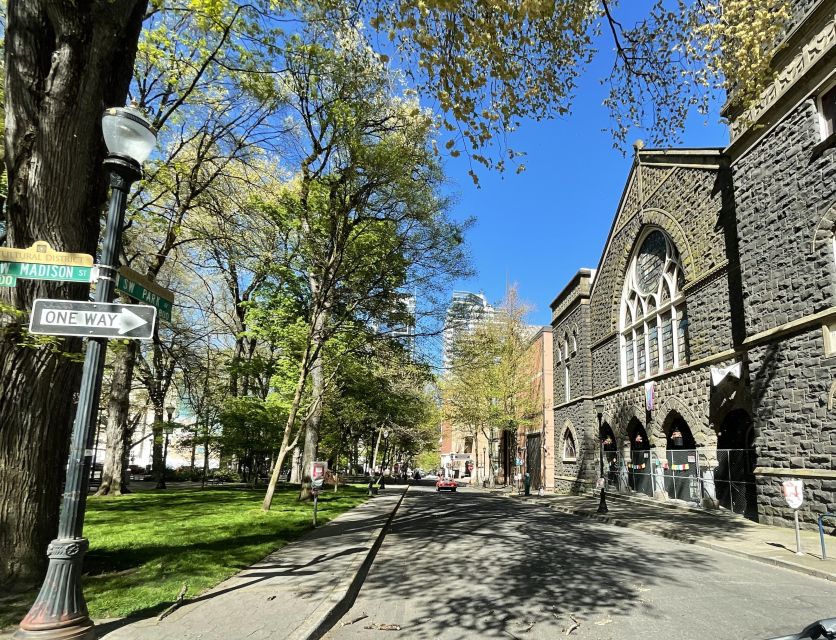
(698, 362)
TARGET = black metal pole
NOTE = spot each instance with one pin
(59, 611)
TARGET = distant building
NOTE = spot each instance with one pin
(464, 314)
(405, 333)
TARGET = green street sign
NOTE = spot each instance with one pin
(11, 271)
(140, 288)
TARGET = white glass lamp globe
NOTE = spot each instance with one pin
(127, 132)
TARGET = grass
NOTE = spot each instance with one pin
(144, 546)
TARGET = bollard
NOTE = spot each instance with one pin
(602, 505)
(798, 550)
(821, 533)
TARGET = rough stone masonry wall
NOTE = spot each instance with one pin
(785, 198)
(574, 476)
(575, 322)
(783, 194)
(606, 365)
(579, 475)
(791, 382)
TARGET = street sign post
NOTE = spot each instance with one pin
(141, 289)
(794, 495)
(11, 271)
(317, 480)
(92, 319)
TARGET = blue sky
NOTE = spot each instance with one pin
(539, 227)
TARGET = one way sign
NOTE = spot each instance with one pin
(92, 319)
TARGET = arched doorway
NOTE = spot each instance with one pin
(681, 468)
(639, 469)
(734, 477)
(609, 455)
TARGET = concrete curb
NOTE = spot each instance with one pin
(343, 594)
(618, 522)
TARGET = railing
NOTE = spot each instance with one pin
(821, 533)
(725, 476)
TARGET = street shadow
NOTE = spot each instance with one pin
(547, 566)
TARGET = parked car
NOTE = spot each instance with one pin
(445, 483)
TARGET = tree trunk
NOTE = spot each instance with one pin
(118, 424)
(64, 63)
(288, 428)
(157, 456)
(315, 416)
(296, 466)
(205, 456)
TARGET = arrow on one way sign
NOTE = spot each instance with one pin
(92, 319)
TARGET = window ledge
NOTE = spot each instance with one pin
(570, 459)
(828, 143)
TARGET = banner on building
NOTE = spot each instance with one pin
(650, 394)
(718, 374)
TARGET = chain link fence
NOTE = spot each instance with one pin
(725, 476)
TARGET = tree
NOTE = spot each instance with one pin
(62, 66)
(364, 204)
(488, 389)
(490, 65)
(206, 96)
(249, 433)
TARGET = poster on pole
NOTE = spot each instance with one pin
(318, 474)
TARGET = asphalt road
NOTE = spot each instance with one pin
(475, 565)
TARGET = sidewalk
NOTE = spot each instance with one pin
(720, 530)
(297, 592)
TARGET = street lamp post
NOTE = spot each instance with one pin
(602, 504)
(59, 611)
(168, 429)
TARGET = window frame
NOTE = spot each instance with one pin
(646, 312)
(568, 436)
(824, 134)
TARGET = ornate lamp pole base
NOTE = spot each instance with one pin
(60, 612)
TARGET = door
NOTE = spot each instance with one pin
(532, 459)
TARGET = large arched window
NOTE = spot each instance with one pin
(654, 323)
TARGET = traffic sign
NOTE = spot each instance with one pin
(11, 271)
(794, 493)
(40, 252)
(142, 289)
(92, 319)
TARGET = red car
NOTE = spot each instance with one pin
(445, 483)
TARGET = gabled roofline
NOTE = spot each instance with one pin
(689, 156)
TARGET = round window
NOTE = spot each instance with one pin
(650, 262)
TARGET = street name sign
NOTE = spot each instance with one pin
(11, 271)
(141, 289)
(41, 253)
(92, 319)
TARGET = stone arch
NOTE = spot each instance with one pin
(824, 229)
(675, 406)
(620, 419)
(666, 222)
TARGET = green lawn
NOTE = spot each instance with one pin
(144, 546)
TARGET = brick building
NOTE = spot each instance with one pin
(698, 361)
